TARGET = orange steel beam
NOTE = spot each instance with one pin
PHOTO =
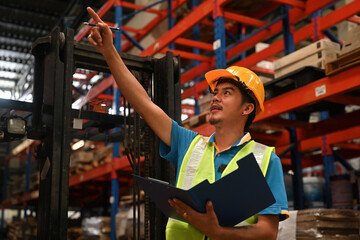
(196, 71)
(105, 96)
(153, 23)
(336, 84)
(187, 55)
(134, 30)
(198, 87)
(352, 146)
(206, 129)
(264, 10)
(94, 92)
(293, 3)
(282, 123)
(354, 19)
(339, 15)
(262, 70)
(278, 139)
(345, 99)
(285, 161)
(295, 16)
(20, 199)
(209, 23)
(182, 26)
(195, 44)
(119, 163)
(329, 125)
(331, 139)
(324, 23)
(244, 19)
(128, 29)
(138, 7)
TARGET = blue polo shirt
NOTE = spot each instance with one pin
(181, 139)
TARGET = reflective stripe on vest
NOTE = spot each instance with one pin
(198, 165)
(193, 164)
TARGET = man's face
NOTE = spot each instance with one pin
(226, 106)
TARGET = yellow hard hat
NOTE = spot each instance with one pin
(242, 75)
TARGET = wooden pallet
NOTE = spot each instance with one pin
(343, 62)
(197, 120)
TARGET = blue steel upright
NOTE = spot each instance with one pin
(171, 21)
(242, 29)
(196, 37)
(219, 35)
(287, 31)
(297, 180)
(116, 104)
(329, 166)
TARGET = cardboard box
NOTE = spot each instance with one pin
(305, 52)
(318, 60)
(352, 41)
(327, 224)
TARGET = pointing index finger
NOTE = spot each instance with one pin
(93, 14)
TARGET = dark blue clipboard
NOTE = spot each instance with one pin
(235, 197)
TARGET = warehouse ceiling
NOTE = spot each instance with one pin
(23, 21)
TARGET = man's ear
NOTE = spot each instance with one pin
(247, 108)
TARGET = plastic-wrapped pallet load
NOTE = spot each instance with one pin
(321, 224)
(96, 228)
(327, 224)
(316, 54)
(341, 191)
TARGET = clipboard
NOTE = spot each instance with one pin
(235, 197)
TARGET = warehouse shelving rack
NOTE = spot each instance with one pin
(226, 54)
(291, 13)
(340, 87)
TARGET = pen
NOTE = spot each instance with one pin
(111, 28)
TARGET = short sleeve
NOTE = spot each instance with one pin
(180, 141)
(275, 180)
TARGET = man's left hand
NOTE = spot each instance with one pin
(207, 223)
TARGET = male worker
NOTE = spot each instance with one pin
(238, 97)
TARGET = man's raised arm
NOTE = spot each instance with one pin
(101, 39)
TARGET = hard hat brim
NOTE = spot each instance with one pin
(213, 76)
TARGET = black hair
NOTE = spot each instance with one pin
(247, 98)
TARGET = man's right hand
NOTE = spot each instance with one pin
(101, 37)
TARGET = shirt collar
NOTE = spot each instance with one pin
(242, 140)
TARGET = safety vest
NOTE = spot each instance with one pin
(198, 165)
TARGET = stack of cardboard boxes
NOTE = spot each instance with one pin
(317, 54)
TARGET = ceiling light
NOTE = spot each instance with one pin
(78, 145)
(9, 75)
(79, 76)
(7, 84)
(19, 148)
